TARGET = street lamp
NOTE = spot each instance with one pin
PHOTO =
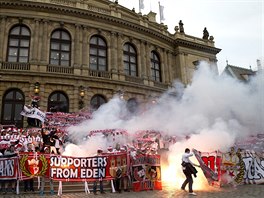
(82, 94)
(36, 88)
(120, 94)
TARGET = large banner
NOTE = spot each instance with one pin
(8, 167)
(64, 168)
(33, 113)
(232, 168)
(146, 172)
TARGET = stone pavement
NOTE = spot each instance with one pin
(245, 191)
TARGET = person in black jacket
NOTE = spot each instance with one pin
(46, 136)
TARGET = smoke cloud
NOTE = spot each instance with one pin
(214, 111)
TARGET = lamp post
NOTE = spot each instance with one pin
(81, 94)
(120, 94)
(36, 88)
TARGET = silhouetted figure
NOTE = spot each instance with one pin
(205, 34)
(181, 26)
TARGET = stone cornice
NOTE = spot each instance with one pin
(71, 11)
(103, 18)
(196, 46)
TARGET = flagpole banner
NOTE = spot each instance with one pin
(8, 167)
(146, 172)
(33, 112)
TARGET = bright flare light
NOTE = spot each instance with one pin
(173, 176)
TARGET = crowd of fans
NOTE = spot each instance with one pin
(14, 141)
(51, 140)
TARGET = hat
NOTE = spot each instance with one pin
(99, 150)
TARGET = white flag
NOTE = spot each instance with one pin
(141, 4)
(161, 8)
(33, 112)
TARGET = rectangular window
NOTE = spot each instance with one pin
(23, 59)
(132, 59)
(93, 51)
(54, 56)
(24, 43)
(102, 52)
(102, 61)
(23, 52)
(55, 46)
(13, 42)
(93, 66)
(102, 68)
(12, 59)
(65, 47)
(7, 111)
(65, 63)
(126, 57)
(54, 62)
(65, 56)
(18, 109)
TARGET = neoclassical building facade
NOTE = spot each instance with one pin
(76, 54)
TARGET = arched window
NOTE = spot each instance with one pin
(18, 44)
(98, 54)
(12, 105)
(155, 67)
(60, 48)
(132, 105)
(130, 60)
(58, 102)
(96, 101)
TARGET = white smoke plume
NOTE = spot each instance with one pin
(213, 111)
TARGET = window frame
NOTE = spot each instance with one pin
(60, 42)
(19, 38)
(97, 56)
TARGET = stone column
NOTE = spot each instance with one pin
(184, 69)
(114, 56)
(35, 36)
(166, 67)
(44, 51)
(85, 54)
(120, 57)
(147, 55)
(77, 46)
(142, 59)
(2, 37)
(169, 67)
(163, 66)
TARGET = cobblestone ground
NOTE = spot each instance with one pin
(245, 191)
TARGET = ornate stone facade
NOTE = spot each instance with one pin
(82, 20)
